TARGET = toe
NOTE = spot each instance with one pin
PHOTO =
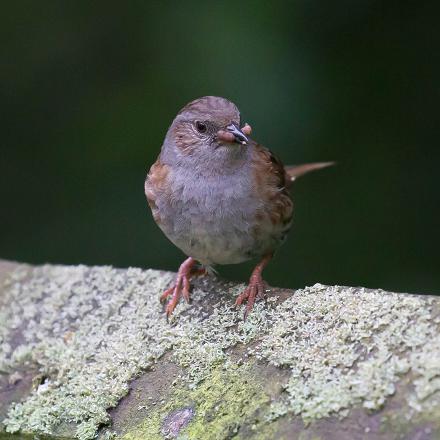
(172, 303)
(261, 290)
(242, 297)
(250, 301)
(255, 290)
(166, 294)
(170, 308)
(185, 288)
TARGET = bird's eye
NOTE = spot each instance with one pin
(201, 127)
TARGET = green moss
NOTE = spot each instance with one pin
(227, 399)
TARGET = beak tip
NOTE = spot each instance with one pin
(239, 135)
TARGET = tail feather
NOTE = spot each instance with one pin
(296, 171)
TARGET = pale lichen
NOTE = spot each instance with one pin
(90, 331)
(347, 347)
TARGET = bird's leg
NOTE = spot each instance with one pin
(182, 285)
(198, 271)
(256, 286)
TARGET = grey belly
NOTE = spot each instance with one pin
(213, 239)
(215, 233)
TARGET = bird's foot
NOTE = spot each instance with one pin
(256, 287)
(182, 285)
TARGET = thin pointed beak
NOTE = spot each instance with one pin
(238, 134)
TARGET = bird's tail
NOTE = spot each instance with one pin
(295, 171)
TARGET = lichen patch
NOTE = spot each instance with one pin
(348, 347)
(89, 331)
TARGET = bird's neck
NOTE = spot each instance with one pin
(220, 162)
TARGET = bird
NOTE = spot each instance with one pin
(219, 196)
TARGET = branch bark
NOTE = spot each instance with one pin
(87, 351)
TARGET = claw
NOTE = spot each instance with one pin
(182, 285)
(255, 289)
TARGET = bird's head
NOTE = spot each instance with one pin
(205, 131)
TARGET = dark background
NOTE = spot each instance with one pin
(88, 90)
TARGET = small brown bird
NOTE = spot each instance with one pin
(219, 196)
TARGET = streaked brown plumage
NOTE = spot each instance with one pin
(218, 195)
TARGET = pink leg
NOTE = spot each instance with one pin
(256, 286)
(182, 285)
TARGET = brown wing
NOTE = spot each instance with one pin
(272, 184)
(155, 186)
(270, 169)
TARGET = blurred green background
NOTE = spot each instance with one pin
(88, 90)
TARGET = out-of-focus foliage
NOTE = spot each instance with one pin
(88, 90)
